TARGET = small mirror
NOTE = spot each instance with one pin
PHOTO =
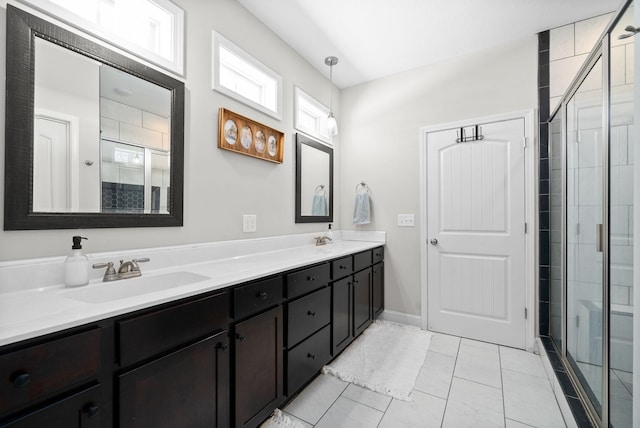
(314, 181)
(94, 138)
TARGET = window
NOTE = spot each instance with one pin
(151, 29)
(242, 77)
(311, 116)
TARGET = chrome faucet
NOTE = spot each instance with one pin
(322, 240)
(129, 269)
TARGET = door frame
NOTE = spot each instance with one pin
(531, 208)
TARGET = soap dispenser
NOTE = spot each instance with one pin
(76, 266)
(329, 234)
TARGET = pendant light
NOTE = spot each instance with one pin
(332, 125)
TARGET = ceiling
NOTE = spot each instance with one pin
(377, 38)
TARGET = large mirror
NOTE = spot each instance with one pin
(93, 138)
(314, 181)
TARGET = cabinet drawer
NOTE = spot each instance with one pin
(253, 298)
(308, 314)
(146, 335)
(378, 255)
(341, 267)
(362, 260)
(307, 280)
(306, 359)
(41, 371)
(81, 410)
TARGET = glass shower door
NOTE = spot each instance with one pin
(621, 165)
(584, 238)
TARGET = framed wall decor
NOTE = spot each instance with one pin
(240, 134)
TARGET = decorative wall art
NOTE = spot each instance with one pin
(248, 137)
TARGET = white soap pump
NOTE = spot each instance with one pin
(76, 266)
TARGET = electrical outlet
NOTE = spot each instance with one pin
(249, 223)
(406, 220)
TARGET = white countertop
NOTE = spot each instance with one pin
(39, 309)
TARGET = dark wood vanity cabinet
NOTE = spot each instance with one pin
(189, 387)
(258, 367)
(54, 380)
(224, 358)
(175, 365)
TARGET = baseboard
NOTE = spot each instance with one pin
(400, 318)
(567, 414)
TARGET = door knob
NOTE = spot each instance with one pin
(434, 241)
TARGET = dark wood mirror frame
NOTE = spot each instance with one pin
(300, 140)
(22, 28)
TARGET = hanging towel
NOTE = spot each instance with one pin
(362, 210)
(319, 205)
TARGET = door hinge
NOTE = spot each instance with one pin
(524, 142)
(525, 228)
(525, 313)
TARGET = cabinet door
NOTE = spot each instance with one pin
(378, 289)
(188, 388)
(81, 410)
(362, 301)
(342, 326)
(258, 367)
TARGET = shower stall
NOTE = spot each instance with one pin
(594, 258)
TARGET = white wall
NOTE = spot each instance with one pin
(220, 186)
(380, 139)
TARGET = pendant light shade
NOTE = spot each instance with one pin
(332, 124)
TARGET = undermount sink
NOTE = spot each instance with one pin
(123, 289)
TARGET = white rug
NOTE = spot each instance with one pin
(281, 420)
(386, 358)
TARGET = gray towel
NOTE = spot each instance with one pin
(362, 210)
(319, 205)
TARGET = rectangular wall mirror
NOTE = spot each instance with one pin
(314, 181)
(93, 138)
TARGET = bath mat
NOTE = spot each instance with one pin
(281, 420)
(386, 358)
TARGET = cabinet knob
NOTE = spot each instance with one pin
(311, 278)
(310, 355)
(239, 337)
(342, 267)
(262, 295)
(355, 281)
(20, 379)
(223, 346)
(310, 313)
(91, 409)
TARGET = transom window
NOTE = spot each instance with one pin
(239, 75)
(151, 29)
(311, 116)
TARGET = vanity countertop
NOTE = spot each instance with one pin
(33, 312)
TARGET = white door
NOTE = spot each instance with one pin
(476, 233)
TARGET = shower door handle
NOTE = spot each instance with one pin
(599, 237)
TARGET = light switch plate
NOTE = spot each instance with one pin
(249, 223)
(406, 220)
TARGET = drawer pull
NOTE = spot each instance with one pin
(222, 346)
(310, 313)
(355, 281)
(240, 337)
(342, 267)
(310, 355)
(262, 295)
(91, 409)
(311, 278)
(21, 379)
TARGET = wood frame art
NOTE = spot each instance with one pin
(242, 135)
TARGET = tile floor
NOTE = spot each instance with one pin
(463, 383)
